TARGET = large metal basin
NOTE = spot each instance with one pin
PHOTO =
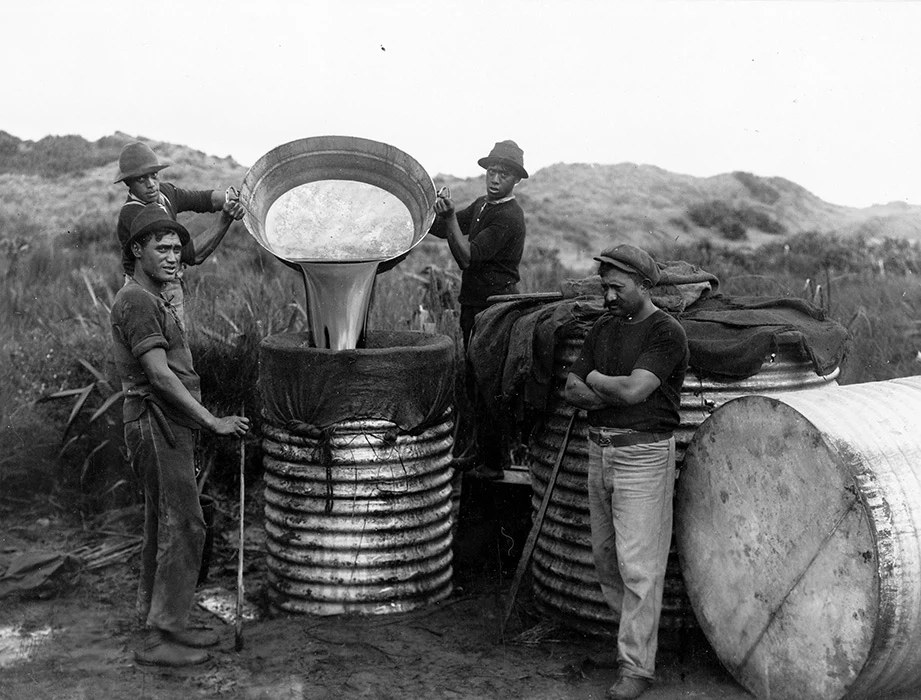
(337, 158)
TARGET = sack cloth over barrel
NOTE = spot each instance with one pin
(513, 345)
(511, 350)
(404, 377)
(729, 337)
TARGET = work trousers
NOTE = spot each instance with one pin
(162, 454)
(630, 493)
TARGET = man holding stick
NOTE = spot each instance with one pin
(162, 411)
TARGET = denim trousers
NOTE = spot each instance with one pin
(162, 454)
(630, 493)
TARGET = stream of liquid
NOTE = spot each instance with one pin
(338, 297)
(338, 231)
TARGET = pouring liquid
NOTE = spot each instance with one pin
(337, 232)
(338, 298)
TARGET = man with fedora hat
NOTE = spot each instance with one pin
(628, 377)
(487, 241)
(162, 411)
(139, 168)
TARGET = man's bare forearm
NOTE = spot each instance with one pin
(623, 390)
(579, 394)
(207, 242)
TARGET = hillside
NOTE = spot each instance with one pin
(59, 183)
(580, 208)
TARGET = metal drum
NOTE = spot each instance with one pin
(358, 521)
(565, 584)
(784, 371)
(358, 472)
(799, 527)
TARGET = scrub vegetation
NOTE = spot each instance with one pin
(54, 328)
(59, 422)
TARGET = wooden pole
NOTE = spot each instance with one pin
(238, 621)
(535, 530)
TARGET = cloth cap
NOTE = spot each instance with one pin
(137, 159)
(628, 258)
(154, 217)
(506, 153)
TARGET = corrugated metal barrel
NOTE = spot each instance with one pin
(358, 522)
(358, 514)
(565, 584)
(799, 527)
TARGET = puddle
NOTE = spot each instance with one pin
(223, 604)
(17, 647)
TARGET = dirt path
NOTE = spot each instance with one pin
(77, 645)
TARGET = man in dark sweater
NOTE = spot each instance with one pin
(628, 377)
(139, 168)
(487, 241)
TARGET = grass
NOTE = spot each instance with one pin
(55, 335)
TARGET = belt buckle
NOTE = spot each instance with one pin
(604, 441)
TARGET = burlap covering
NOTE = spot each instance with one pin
(404, 377)
(512, 348)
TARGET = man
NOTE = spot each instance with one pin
(139, 168)
(162, 411)
(487, 240)
(628, 377)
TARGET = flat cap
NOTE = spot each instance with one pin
(628, 258)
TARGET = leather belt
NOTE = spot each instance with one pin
(604, 439)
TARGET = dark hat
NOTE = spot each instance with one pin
(137, 159)
(506, 153)
(154, 217)
(628, 258)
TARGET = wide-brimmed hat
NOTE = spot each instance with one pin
(154, 217)
(506, 153)
(633, 260)
(137, 159)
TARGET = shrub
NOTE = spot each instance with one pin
(732, 222)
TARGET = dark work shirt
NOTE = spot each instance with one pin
(496, 236)
(657, 344)
(141, 322)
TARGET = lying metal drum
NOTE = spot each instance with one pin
(565, 584)
(799, 527)
(358, 521)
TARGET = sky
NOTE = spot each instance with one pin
(826, 94)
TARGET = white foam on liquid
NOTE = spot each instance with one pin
(338, 221)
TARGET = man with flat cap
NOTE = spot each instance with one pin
(628, 377)
(487, 241)
(139, 168)
(162, 412)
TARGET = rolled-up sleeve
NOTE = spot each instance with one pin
(136, 326)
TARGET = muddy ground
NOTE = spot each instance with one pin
(76, 642)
